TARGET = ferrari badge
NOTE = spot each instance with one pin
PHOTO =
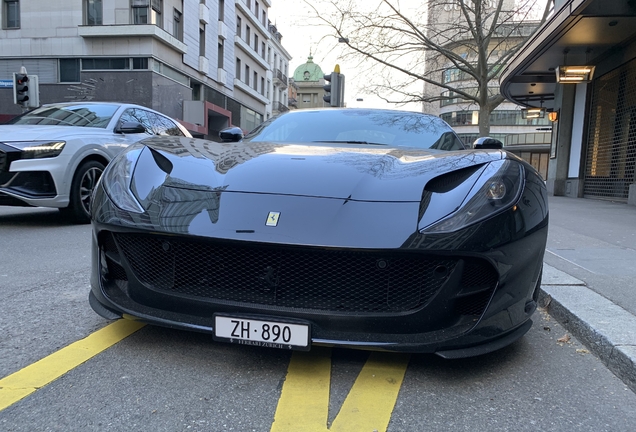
(272, 219)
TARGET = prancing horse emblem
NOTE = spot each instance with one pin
(272, 219)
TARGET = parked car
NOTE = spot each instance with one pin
(356, 228)
(54, 155)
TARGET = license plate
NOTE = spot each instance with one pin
(271, 334)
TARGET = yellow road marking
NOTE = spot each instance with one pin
(304, 402)
(370, 402)
(29, 379)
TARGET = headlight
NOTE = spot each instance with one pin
(39, 149)
(496, 190)
(117, 177)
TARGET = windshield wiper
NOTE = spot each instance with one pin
(350, 142)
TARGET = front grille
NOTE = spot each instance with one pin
(4, 165)
(37, 184)
(286, 277)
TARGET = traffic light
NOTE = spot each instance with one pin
(334, 89)
(20, 88)
(329, 97)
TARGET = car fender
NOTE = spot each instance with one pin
(91, 151)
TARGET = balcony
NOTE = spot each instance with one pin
(204, 13)
(280, 78)
(278, 108)
(133, 30)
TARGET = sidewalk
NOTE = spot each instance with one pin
(589, 278)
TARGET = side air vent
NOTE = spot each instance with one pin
(449, 181)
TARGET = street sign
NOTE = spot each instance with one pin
(6, 83)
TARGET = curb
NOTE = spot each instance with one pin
(605, 328)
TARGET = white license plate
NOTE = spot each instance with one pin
(261, 333)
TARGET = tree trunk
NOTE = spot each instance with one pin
(484, 119)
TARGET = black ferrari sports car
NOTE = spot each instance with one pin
(357, 228)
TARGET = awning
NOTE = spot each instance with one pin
(580, 32)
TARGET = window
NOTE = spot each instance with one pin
(238, 68)
(264, 19)
(140, 116)
(147, 12)
(239, 25)
(140, 11)
(140, 63)
(11, 12)
(202, 41)
(263, 86)
(163, 125)
(263, 49)
(69, 70)
(247, 75)
(105, 63)
(248, 34)
(269, 84)
(171, 73)
(256, 42)
(221, 10)
(220, 54)
(93, 12)
(177, 28)
(256, 9)
(155, 13)
(255, 81)
(249, 4)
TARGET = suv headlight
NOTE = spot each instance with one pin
(38, 149)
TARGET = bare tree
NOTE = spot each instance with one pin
(441, 50)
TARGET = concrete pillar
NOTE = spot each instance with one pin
(561, 140)
(631, 197)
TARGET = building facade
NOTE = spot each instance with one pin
(506, 121)
(278, 80)
(180, 57)
(581, 65)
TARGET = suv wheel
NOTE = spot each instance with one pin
(84, 182)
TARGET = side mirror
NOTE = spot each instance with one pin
(130, 127)
(487, 143)
(231, 134)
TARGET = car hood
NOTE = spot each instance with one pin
(10, 133)
(354, 172)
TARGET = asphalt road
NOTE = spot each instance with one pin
(166, 380)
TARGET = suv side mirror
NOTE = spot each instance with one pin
(231, 134)
(130, 127)
(487, 143)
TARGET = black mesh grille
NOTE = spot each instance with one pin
(3, 161)
(479, 279)
(287, 277)
(610, 166)
(473, 304)
(478, 274)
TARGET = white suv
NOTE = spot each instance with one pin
(54, 155)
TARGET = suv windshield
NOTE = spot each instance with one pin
(87, 115)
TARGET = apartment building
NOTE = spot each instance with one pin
(180, 57)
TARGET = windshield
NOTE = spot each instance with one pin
(87, 115)
(356, 126)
